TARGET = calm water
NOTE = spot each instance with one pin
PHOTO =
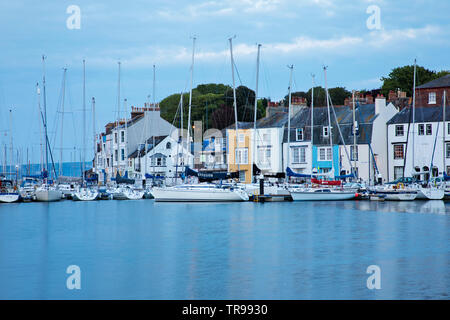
(147, 250)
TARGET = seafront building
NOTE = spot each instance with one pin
(380, 151)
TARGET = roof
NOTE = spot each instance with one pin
(150, 146)
(365, 115)
(422, 114)
(241, 125)
(437, 83)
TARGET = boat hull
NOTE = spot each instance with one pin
(88, 196)
(48, 195)
(192, 195)
(9, 197)
(321, 196)
(398, 195)
(430, 194)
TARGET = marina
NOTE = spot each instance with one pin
(239, 250)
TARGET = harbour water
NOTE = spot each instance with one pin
(286, 250)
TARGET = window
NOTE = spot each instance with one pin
(448, 170)
(107, 162)
(299, 134)
(354, 153)
(429, 127)
(241, 156)
(421, 129)
(116, 154)
(398, 172)
(398, 151)
(299, 155)
(447, 150)
(325, 131)
(266, 138)
(122, 136)
(432, 98)
(241, 137)
(122, 154)
(264, 155)
(115, 137)
(399, 131)
(158, 161)
(168, 145)
(448, 128)
(325, 154)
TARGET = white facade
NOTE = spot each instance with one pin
(418, 155)
(162, 160)
(119, 143)
(268, 152)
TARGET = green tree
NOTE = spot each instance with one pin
(403, 77)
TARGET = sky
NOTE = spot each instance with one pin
(343, 35)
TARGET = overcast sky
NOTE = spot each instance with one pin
(307, 34)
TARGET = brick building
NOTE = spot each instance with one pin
(431, 93)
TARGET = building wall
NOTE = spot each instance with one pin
(422, 96)
(245, 169)
(364, 163)
(275, 143)
(321, 165)
(299, 167)
(423, 149)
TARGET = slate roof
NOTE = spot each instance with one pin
(365, 115)
(158, 140)
(422, 114)
(437, 83)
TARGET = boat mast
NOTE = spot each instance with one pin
(125, 108)
(329, 119)
(45, 114)
(62, 122)
(118, 121)
(182, 134)
(443, 131)
(190, 97)
(93, 132)
(256, 111)
(10, 145)
(414, 117)
(291, 67)
(84, 121)
(234, 101)
(354, 134)
(154, 109)
(38, 94)
(312, 122)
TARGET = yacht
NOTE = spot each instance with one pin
(85, 194)
(8, 193)
(201, 192)
(394, 192)
(321, 193)
(48, 193)
(127, 193)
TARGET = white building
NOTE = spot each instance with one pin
(427, 146)
(123, 137)
(166, 158)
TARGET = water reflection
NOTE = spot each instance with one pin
(292, 250)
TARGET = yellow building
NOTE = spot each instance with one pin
(240, 155)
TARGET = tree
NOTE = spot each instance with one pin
(403, 77)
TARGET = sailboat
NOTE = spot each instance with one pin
(46, 192)
(328, 190)
(202, 191)
(427, 191)
(85, 193)
(8, 193)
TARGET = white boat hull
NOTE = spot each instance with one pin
(399, 196)
(198, 195)
(85, 196)
(316, 195)
(128, 195)
(9, 197)
(430, 194)
(48, 195)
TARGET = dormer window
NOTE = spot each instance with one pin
(299, 134)
(432, 98)
(325, 131)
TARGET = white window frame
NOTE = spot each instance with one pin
(429, 126)
(327, 154)
(353, 153)
(447, 150)
(299, 134)
(241, 137)
(325, 131)
(403, 151)
(397, 133)
(241, 156)
(421, 129)
(432, 98)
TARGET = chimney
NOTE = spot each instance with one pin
(380, 104)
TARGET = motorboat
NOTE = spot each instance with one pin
(321, 194)
(394, 192)
(201, 192)
(127, 193)
(8, 193)
(67, 190)
(85, 194)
